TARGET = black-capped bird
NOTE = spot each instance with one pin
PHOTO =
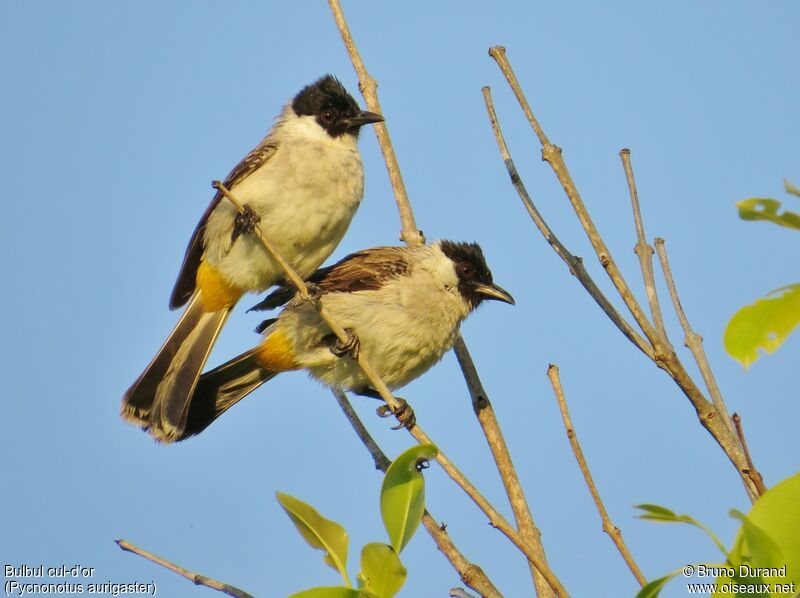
(405, 304)
(303, 184)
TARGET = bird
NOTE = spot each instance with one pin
(302, 184)
(403, 307)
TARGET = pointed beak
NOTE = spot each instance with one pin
(494, 292)
(363, 118)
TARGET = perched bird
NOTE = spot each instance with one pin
(303, 183)
(405, 304)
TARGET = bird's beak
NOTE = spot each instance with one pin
(495, 292)
(363, 118)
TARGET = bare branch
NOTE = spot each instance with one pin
(410, 233)
(502, 458)
(552, 155)
(608, 527)
(753, 473)
(643, 250)
(196, 578)
(692, 340)
(574, 263)
(664, 355)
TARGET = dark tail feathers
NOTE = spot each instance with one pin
(221, 388)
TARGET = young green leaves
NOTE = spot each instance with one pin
(765, 324)
(765, 557)
(382, 573)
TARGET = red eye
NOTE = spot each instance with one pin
(465, 270)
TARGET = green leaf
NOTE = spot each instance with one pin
(791, 188)
(403, 495)
(319, 532)
(776, 519)
(330, 592)
(382, 573)
(653, 588)
(763, 325)
(764, 550)
(758, 208)
(664, 515)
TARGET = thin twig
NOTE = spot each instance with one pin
(643, 249)
(664, 355)
(368, 87)
(608, 527)
(470, 573)
(495, 518)
(552, 155)
(753, 473)
(692, 340)
(505, 466)
(574, 263)
(196, 578)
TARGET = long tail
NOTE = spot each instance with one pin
(159, 399)
(223, 387)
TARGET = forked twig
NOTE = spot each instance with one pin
(196, 578)
(664, 355)
(643, 249)
(608, 527)
(574, 263)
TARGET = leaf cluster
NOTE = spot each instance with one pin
(402, 503)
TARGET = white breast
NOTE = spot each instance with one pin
(306, 196)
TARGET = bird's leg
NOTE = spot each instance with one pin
(245, 222)
(351, 345)
(314, 294)
(404, 414)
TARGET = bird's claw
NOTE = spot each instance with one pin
(404, 414)
(314, 295)
(245, 223)
(352, 345)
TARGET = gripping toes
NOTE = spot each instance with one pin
(245, 222)
(351, 346)
(404, 414)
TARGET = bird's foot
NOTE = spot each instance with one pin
(245, 223)
(314, 294)
(352, 345)
(404, 414)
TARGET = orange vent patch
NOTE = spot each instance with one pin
(216, 292)
(275, 354)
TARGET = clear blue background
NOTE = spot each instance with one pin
(116, 117)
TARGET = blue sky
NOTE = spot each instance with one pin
(116, 117)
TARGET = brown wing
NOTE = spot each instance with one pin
(185, 284)
(361, 271)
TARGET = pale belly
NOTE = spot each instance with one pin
(305, 207)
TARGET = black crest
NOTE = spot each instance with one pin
(329, 102)
(470, 267)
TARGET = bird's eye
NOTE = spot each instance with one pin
(465, 270)
(327, 116)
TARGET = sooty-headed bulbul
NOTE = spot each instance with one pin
(303, 184)
(405, 304)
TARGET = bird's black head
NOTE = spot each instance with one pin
(474, 277)
(334, 109)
